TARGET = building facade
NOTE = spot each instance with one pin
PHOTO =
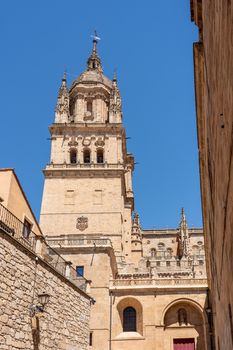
(43, 305)
(213, 59)
(149, 285)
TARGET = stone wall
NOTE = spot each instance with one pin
(63, 325)
(213, 59)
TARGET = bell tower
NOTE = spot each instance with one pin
(88, 181)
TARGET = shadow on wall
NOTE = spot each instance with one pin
(35, 332)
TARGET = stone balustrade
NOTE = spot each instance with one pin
(72, 241)
(85, 166)
(159, 283)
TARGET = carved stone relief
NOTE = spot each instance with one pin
(82, 223)
(72, 142)
(86, 141)
(100, 142)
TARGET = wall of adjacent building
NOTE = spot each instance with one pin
(65, 322)
(14, 199)
(213, 60)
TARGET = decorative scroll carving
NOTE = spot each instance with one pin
(72, 142)
(100, 142)
(86, 141)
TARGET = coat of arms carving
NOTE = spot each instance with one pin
(82, 223)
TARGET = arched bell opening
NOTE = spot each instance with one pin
(100, 155)
(73, 156)
(86, 156)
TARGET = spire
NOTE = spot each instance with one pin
(183, 236)
(114, 76)
(136, 221)
(94, 62)
(136, 238)
(64, 76)
(115, 101)
(62, 107)
(183, 222)
(136, 229)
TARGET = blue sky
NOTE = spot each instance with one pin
(150, 44)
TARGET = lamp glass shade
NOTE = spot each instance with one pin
(43, 298)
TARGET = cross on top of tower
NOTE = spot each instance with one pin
(96, 38)
(94, 62)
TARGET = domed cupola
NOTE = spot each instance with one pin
(93, 98)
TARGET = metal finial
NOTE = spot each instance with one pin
(64, 75)
(115, 75)
(96, 38)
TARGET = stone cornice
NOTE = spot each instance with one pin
(83, 173)
(177, 285)
(86, 128)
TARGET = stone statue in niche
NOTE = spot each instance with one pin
(82, 223)
(182, 317)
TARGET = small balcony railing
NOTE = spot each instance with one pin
(14, 227)
(11, 225)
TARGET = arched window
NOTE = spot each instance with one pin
(100, 156)
(73, 156)
(86, 156)
(182, 317)
(129, 320)
(153, 252)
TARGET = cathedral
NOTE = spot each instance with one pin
(149, 286)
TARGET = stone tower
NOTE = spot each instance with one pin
(88, 181)
(141, 279)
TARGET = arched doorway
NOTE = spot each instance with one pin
(184, 326)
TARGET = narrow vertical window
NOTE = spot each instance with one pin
(73, 156)
(86, 156)
(80, 271)
(89, 106)
(153, 252)
(100, 156)
(90, 338)
(129, 320)
(26, 229)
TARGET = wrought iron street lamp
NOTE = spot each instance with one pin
(43, 299)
